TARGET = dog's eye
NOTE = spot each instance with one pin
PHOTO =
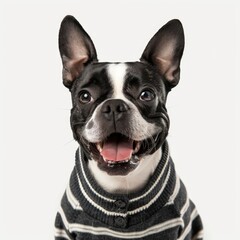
(85, 97)
(147, 95)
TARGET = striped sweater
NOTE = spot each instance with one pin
(161, 211)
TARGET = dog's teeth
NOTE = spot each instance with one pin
(99, 147)
(137, 147)
(109, 161)
(105, 160)
(112, 163)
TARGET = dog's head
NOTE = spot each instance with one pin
(119, 113)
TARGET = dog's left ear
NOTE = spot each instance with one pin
(76, 49)
(165, 50)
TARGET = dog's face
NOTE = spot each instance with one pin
(119, 113)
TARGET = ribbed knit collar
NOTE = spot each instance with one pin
(118, 210)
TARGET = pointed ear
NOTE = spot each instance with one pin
(165, 50)
(76, 49)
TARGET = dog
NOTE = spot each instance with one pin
(124, 184)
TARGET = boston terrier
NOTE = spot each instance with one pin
(124, 184)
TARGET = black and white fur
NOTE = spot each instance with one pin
(121, 98)
(124, 183)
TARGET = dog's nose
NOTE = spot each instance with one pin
(114, 109)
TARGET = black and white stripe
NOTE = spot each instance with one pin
(161, 211)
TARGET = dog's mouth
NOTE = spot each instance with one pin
(117, 149)
(117, 154)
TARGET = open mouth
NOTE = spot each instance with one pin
(118, 149)
(118, 154)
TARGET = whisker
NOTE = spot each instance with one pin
(79, 123)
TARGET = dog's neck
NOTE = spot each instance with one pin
(133, 182)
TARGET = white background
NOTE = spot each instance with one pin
(37, 148)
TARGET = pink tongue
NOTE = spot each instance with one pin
(117, 149)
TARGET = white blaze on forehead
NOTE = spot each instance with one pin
(117, 75)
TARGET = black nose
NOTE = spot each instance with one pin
(114, 109)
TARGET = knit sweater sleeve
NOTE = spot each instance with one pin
(64, 216)
(61, 231)
(192, 225)
(192, 228)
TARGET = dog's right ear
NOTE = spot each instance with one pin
(164, 51)
(76, 49)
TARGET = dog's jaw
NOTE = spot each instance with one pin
(130, 183)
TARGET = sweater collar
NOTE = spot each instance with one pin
(123, 210)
